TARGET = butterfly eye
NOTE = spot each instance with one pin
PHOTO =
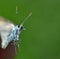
(18, 25)
(21, 27)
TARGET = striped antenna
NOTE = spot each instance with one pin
(26, 18)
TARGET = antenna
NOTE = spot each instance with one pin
(26, 18)
(16, 10)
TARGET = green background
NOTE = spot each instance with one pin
(41, 40)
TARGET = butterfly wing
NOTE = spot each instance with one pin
(5, 25)
(5, 29)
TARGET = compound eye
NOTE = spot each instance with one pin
(18, 25)
(21, 27)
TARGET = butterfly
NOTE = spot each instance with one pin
(10, 32)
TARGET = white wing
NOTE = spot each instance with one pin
(5, 25)
(4, 38)
(5, 29)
